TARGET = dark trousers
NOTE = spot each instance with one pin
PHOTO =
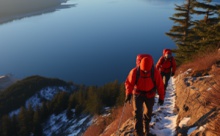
(143, 108)
(166, 78)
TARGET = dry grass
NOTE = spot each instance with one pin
(214, 125)
(99, 128)
(201, 64)
(213, 97)
(115, 124)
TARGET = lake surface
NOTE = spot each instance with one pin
(93, 43)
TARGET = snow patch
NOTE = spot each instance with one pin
(46, 93)
(188, 71)
(209, 89)
(202, 128)
(191, 130)
(184, 121)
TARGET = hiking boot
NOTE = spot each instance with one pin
(150, 134)
(138, 134)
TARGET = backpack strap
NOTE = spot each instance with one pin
(137, 74)
(152, 75)
(153, 79)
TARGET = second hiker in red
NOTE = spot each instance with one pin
(167, 66)
(142, 82)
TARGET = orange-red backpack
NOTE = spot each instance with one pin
(138, 61)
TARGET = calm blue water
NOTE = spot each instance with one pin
(94, 43)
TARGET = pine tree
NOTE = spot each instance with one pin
(80, 97)
(15, 127)
(72, 101)
(121, 96)
(93, 103)
(69, 113)
(207, 9)
(44, 111)
(60, 102)
(181, 31)
(29, 117)
(37, 128)
(192, 36)
(109, 93)
(6, 126)
(23, 122)
(206, 30)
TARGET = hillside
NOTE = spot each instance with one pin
(191, 105)
(44, 106)
(16, 95)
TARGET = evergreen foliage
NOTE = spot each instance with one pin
(121, 97)
(180, 31)
(196, 28)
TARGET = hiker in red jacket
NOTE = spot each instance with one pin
(142, 82)
(167, 66)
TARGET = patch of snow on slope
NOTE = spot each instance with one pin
(184, 121)
(49, 92)
(34, 101)
(46, 93)
(61, 125)
(191, 130)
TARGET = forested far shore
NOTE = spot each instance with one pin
(15, 9)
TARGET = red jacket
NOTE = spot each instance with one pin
(166, 65)
(144, 84)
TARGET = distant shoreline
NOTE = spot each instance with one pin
(53, 8)
(17, 17)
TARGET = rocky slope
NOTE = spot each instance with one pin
(197, 101)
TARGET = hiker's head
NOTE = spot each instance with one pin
(146, 64)
(168, 54)
(166, 51)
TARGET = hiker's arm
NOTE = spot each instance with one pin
(159, 84)
(130, 81)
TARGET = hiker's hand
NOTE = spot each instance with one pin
(172, 74)
(160, 102)
(128, 98)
